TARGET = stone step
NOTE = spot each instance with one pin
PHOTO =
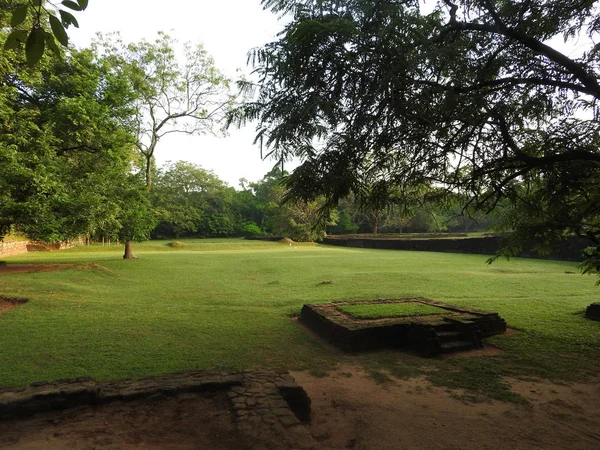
(447, 336)
(445, 326)
(456, 346)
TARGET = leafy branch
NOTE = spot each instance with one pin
(39, 24)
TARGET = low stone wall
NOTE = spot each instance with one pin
(352, 335)
(568, 250)
(20, 247)
(63, 394)
(13, 248)
(48, 246)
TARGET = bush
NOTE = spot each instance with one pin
(176, 244)
(251, 229)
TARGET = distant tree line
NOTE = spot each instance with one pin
(193, 202)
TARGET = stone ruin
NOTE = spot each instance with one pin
(458, 328)
(593, 311)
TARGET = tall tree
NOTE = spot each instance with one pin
(475, 95)
(172, 95)
(64, 155)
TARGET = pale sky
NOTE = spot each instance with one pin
(228, 29)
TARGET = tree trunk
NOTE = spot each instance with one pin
(374, 225)
(128, 252)
(148, 171)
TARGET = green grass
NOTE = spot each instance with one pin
(382, 310)
(226, 303)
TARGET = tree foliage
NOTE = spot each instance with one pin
(300, 220)
(170, 95)
(60, 143)
(475, 96)
(65, 158)
(192, 201)
(37, 25)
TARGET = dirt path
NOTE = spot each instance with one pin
(25, 268)
(349, 411)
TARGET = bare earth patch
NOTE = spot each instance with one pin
(25, 268)
(7, 304)
(188, 421)
(350, 410)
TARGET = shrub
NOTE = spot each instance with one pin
(251, 229)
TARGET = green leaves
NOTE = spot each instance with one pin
(68, 19)
(51, 43)
(443, 97)
(19, 16)
(59, 31)
(35, 46)
(14, 39)
(64, 155)
(45, 26)
(75, 6)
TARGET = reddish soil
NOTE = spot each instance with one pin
(7, 305)
(24, 268)
(350, 411)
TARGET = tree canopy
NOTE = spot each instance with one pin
(169, 94)
(192, 201)
(474, 96)
(65, 156)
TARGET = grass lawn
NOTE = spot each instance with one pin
(379, 311)
(227, 303)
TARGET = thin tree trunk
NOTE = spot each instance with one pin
(128, 251)
(374, 226)
(148, 172)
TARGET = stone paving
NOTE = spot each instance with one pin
(267, 404)
(273, 403)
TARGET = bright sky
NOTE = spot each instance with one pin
(228, 29)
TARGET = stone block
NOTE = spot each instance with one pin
(593, 311)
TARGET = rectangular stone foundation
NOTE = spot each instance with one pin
(351, 334)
